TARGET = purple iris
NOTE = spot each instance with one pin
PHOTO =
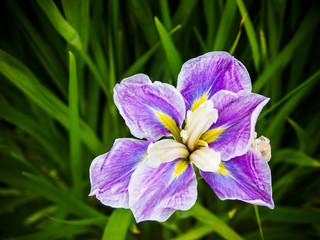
(207, 122)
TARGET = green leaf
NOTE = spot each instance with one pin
(226, 20)
(43, 136)
(39, 214)
(118, 224)
(165, 12)
(75, 145)
(204, 215)
(45, 189)
(171, 52)
(59, 232)
(299, 89)
(40, 48)
(233, 48)
(77, 14)
(62, 26)
(296, 157)
(27, 82)
(183, 12)
(196, 232)
(251, 34)
(292, 215)
(140, 62)
(100, 221)
(305, 142)
(282, 59)
(143, 13)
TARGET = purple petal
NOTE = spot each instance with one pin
(201, 77)
(246, 178)
(238, 114)
(110, 173)
(155, 193)
(140, 102)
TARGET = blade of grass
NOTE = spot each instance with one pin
(77, 14)
(223, 33)
(59, 232)
(165, 13)
(118, 224)
(144, 15)
(75, 145)
(60, 24)
(139, 63)
(41, 134)
(264, 53)
(200, 39)
(258, 220)
(171, 52)
(44, 53)
(204, 215)
(64, 28)
(290, 94)
(306, 144)
(233, 48)
(182, 15)
(296, 157)
(63, 198)
(211, 15)
(197, 232)
(306, 27)
(27, 82)
(251, 35)
(99, 221)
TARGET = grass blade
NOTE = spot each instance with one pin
(60, 24)
(118, 224)
(75, 146)
(171, 52)
(204, 215)
(27, 82)
(223, 32)
(251, 35)
(306, 27)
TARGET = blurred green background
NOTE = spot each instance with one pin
(59, 62)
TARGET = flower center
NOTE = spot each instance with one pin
(191, 148)
(198, 122)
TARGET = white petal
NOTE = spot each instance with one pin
(206, 159)
(165, 150)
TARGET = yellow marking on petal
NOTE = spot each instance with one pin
(212, 134)
(180, 167)
(202, 143)
(170, 124)
(200, 100)
(223, 170)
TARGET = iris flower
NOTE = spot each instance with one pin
(207, 122)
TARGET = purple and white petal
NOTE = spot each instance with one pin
(110, 173)
(246, 178)
(238, 113)
(147, 107)
(156, 193)
(200, 78)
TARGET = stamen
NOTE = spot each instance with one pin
(198, 122)
(165, 150)
(184, 136)
(206, 159)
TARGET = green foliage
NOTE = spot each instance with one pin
(59, 62)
